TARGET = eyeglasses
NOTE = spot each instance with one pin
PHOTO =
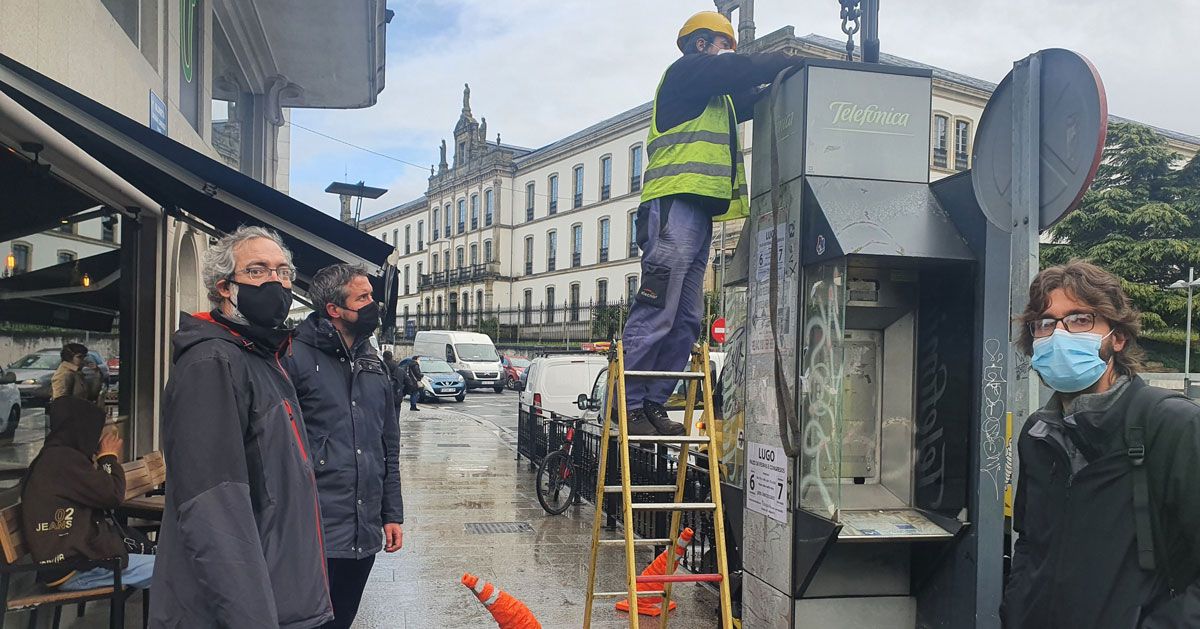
(258, 272)
(1076, 322)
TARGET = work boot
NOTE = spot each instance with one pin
(638, 424)
(657, 415)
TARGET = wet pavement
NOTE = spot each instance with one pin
(459, 469)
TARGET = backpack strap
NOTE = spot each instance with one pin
(1145, 400)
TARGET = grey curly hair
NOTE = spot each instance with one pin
(219, 261)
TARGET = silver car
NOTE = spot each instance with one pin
(10, 403)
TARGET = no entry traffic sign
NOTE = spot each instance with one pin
(718, 330)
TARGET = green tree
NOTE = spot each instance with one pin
(1140, 220)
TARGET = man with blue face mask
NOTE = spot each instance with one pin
(1107, 506)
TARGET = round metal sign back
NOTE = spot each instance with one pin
(1073, 120)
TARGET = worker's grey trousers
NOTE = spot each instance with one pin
(665, 315)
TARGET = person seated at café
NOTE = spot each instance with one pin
(66, 495)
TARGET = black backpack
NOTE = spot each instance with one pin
(1145, 400)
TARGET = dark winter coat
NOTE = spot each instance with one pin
(350, 413)
(1075, 562)
(412, 377)
(65, 496)
(241, 537)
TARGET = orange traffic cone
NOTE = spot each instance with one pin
(508, 611)
(652, 605)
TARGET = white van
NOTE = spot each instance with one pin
(469, 353)
(555, 382)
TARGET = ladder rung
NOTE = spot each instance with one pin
(638, 541)
(674, 506)
(669, 438)
(676, 375)
(641, 489)
(626, 594)
(680, 578)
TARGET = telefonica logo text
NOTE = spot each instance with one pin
(847, 113)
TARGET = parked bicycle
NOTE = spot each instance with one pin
(558, 474)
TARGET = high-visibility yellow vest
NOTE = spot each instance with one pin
(700, 156)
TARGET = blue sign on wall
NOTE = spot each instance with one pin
(158, 114)
(410, 329)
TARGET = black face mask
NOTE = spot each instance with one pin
(368, 319)
(265, 305)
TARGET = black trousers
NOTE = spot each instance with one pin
(347, 578)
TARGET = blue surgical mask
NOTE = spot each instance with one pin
(1069, 362)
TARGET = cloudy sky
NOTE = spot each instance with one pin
(542, 69)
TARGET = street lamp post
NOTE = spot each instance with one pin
(1187, 342)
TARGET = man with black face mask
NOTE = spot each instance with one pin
(241, 533)
(349, 406)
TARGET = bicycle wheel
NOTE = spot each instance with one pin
(556, 481)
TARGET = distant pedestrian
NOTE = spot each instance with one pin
(241, 533)
(68, 379)
(1107, 506)
(348, 400)
(412, 382)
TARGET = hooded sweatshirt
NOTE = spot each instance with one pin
(65, 495)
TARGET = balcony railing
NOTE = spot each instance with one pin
(462, 227)
(576, 259)
(553, 206)
(435, 235)
(960, 161)
(939, 157)
(605, 192)
(550, 264)
(635, 183)
(474, 222)
(578, 201)
(633, 250)
(604, 254)
(528, 214)
(529, 267)
(473, 273)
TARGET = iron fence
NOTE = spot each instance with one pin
(539, 433)
(560, 324)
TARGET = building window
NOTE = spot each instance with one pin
(940, 124)
(631, 287)
(553, 185)
(108, 232)
(487, 251)
(574, 301)
(474, 211)
(962, 142)
(190, 75)
(395, 238)
(435, 262)
(529, 196)
(474, 254)
(529, 255)
(633, 246)
(577, 200)
(66, 256)
(635, 168)
(603, 240)
(601, 292)
(407, 239)
(22, 254)
(436, 221)
(462, 215)
(420, 271)
(458, 257)
(528, 306)
(605, 177)
(446, 261)
(449, 219)
(551, 249)
(466, 306)
(438, 321)
(405, 319)
(549, 304)
(420, 235)
(406, 279)
(488, 208)
(479, 301)
(576, 245)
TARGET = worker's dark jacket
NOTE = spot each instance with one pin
(241, 536)
(1075, 563)
(350, 413)
(65, 496)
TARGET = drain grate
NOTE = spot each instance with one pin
(453, 445)
(492, 528)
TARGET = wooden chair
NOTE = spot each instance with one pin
(16, 561)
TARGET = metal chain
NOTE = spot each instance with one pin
(850, 25)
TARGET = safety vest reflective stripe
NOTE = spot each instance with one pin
(687, 137)
(699, 168)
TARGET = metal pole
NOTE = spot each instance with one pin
(721, 284)
(1187, 342)
(870, 34)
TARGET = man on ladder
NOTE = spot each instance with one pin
(694, 176)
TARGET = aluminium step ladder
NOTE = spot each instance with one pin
(699, 374)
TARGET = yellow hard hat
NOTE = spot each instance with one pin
(707, 20)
